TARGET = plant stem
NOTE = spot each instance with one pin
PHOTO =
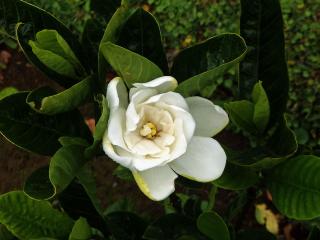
(212, 197)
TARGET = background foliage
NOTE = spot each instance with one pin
(184, 23)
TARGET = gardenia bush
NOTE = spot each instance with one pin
(151, 120)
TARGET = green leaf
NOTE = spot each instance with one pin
(36, 132)
(38, 185)
(91, 37)
(81, 194)
(67, 141)
(171, 227)
(5, 234)
(105, 8)
(21, 215)
(125, 225)
(241, 114)
(196, 68)
(131, 67)
(111, 34)
(101, 126)
(123, 173)
(81, 230)
(7, 92)
(55, 53)
(141, 34)
(64, 166)
(212, 225)
(54, 62)
(45, 101)
(295, 187)
(236, 177)
(280, 146)
(250, 116)
(261, 111)
(262, 28)
(36, 19)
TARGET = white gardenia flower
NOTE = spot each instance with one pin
(158, 134)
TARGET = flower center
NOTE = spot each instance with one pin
(148, 130)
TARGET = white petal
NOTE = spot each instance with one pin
(158, 116)
(179, 113)
(170, 98)
(137, 98)
(143, 163)
(125, 161)
(116, 126)
(145, 147)
(117, 95)
(179, 147)
(210, 119)
(156, 183)
(161, 84)
(204, 160)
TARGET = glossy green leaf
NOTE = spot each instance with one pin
(36, 132)
(82, 194)
(105, 8)
(64, 166)
(21, 215)
(171, 227)
(295, 187)
(125, 225)
(251, 116)
(111, 34)
(101, 126)
(141, 34)
(261, 111)
(67, 141)
(213, 226)
(262, 28)
(55, 53)
(46, 101)
(241, 114)
(81, 230)
(5, 234)
(196, 68)
(236, 177)
(279, 147)
(54, 62)
(91, 37)
(7, 91)
(36, 19)
(38, 185)
(130, 66)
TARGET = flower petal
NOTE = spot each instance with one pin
(161, 84)
(179, 113)
(125, 161)
(117, 95)
(116, 126)
(210, 119)
(170, 98)
(156, 183)
(137, 98)
(204, 160)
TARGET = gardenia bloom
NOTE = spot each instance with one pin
(158, 134)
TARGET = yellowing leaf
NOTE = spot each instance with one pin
(266, 217)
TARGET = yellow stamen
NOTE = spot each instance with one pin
(149, 130)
